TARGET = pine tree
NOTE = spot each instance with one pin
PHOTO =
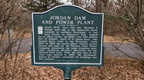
(41, 5)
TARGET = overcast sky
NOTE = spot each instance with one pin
(65, 2)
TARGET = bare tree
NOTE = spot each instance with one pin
(129, 19)
(91, 5)
(11, 34)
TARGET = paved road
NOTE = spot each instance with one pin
(128, 48)
(25, 46)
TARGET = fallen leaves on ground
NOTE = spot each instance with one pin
(114, 69)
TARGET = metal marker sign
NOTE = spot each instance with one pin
(67, 37)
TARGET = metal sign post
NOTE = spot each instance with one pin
(67, 37)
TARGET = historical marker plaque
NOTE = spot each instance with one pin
(67, 35)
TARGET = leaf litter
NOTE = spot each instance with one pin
(113, 69)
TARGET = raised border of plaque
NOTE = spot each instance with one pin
(38, 29)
